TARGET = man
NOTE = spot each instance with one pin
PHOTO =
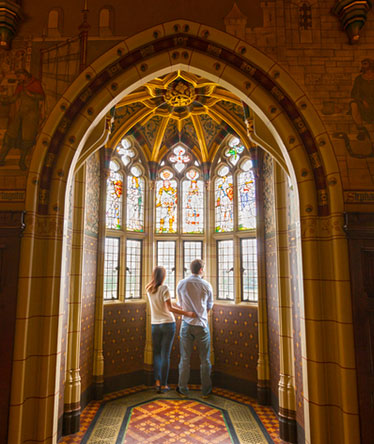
(362, 105)
(195, 294)
(24, 116)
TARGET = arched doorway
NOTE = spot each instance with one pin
(291, 125)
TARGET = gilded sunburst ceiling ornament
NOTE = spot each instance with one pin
(180, 93)
(181, 107)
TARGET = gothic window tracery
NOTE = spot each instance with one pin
(125, 205)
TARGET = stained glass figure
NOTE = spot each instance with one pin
(193, 203)
(166, 203)
(247, 197)
(179, 158)
(125, 151)
(224, 201)
(114, 198)
(135, 201)
(234, 151)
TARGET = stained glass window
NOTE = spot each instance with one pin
(247, 197)
(133, 269)
(166, 203)
(114, 198)
(111, 268)
(225, 258)
(135, 200)
(248, 259)
(166, 259)
(224, 201)
(193, 203)
(179, 158)
(234, 150)
(125, 151)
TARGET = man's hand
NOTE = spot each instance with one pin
(190, 314)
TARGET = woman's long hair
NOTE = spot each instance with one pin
(158, 277)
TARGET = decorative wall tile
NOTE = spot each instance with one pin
(124, 338)
(235, 340)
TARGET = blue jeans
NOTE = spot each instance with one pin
(162, 339)
(189, 334)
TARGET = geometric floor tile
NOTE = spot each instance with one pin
(140, 416)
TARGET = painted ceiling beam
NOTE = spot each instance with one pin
(200, 137)
(159, 138)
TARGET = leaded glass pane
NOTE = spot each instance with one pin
(248, 258)
(135, 203)
(225, 259)
(166, 258)
(111, 268)
(133, 269)
(191, 250)
(234, 151)
(247, 200)
(125, 151)
(224, 204)
(166, 203)
(179, 158)
(114, 199)
(193, 203)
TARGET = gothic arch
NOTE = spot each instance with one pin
(302, 141)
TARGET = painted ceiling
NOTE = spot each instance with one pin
(179, 107)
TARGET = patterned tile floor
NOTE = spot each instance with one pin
(266, 414)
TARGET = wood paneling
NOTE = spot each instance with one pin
(360, 230)
(11, 227)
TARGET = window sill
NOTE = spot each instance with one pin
(125, 301)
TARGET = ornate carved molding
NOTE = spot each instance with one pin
(352, 15)
(10, 17)
(12, 219)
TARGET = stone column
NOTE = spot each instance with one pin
(98, 362)
(263, 369)
(72, 395)
(286, 389)
(149, 262)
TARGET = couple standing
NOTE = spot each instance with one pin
(195, 296)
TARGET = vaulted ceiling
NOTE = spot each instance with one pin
(180, 107)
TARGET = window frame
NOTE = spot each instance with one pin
(118, 270)
(236, 234)
(123, 233)
(140, 269)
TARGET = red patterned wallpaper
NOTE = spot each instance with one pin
(235, 340)
(124, 338)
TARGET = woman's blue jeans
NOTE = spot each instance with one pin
(162, 339)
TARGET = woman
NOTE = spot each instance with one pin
(163, 326)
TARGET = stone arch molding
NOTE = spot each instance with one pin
(294, 125)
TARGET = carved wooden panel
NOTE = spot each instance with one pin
(360, 230)
(11, 225)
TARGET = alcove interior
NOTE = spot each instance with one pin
(182, 111)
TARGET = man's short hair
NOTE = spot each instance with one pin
(196, 266)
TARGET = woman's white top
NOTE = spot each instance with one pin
(159, 313)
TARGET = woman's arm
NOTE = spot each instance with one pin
(173, 309)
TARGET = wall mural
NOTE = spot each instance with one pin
(21, 104)
(361, 108)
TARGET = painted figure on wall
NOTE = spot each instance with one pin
(24, 116)
(362, 105)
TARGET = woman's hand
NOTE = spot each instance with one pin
(190, 314)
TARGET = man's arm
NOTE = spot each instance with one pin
(209, 304)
